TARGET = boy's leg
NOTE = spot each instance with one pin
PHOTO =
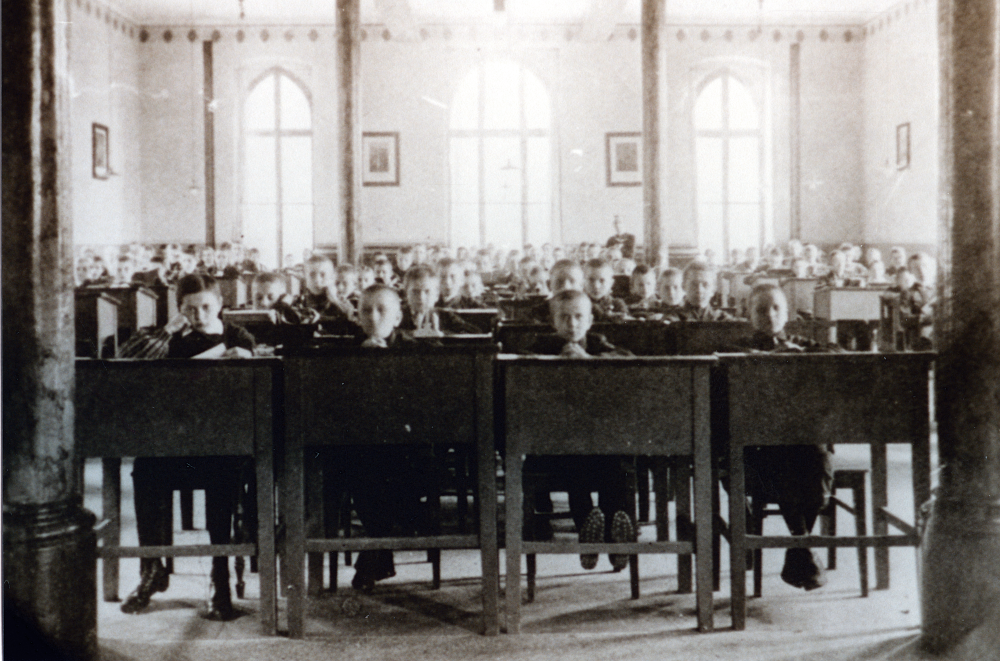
(804, 486)
(221, 492)
(153, 501)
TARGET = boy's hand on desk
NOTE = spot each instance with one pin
(574, 350)
(237, 352)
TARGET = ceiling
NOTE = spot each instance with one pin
(808, 12)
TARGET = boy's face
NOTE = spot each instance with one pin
(201, 309)
(379, 314)
(419, 254)
(366, 278)
(897, 258)
(318, 276)
(267, 294)
(474, 286)
(384, 273)
(670, 290)
(593, 251)
(82, 271)
(644, 286)
(538, 283)
(125, 272)
(699, 287)
(95, 271)
(572, 319)
(422, 294)
(599, 282)
(345, 284)
(451, 281)
(769, 312)
(567, 278)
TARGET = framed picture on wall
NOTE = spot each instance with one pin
(623, 155)
(903, 146)
(380, 159)
(99, 144)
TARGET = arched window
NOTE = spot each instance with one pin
(501, 158)
(277, 164)
(729, 152)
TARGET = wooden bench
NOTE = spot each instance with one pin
(605, 406)
(178, 408)
(795, 399)
(373, 397)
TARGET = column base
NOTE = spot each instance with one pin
(960, 574)
(50, 581)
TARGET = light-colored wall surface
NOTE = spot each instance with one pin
(104, 90)
(901, 86)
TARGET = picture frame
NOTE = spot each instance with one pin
(903, 146)
(99, 148)
(380, 158)
(623, 158)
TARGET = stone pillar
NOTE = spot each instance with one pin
(348, 64)
(652, 27)
(961, 554)
(49, 549)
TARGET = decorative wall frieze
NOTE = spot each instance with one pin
(115, 21)
(896, 14)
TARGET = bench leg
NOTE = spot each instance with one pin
(111, 495)
(880, 526)
(187, 509)
(513, 497)
(861, 529)
(684, 523)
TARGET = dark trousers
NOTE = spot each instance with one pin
(582, 475)
(154, 480)
(799, 478)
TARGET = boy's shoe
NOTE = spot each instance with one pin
(372, 566)
(622, 532)
(592, 533)
(801, 570)
(220, 606)
(154, 579)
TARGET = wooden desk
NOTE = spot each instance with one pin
(483, 318)
(235, 291)
(136, 306)
(643, 338)
(605, 406)
(794, 399)
(701, 338)
(176, 408)
(800, 293)
(166, 303)
(96, 322)
(426, 395)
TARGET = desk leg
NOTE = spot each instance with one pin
(737, 537)
(294, 541)
(265, 543)
(111, 509)
(685, 528)
(314, 521)
(488, 542)
(704, 512)
(513, 502)
(880, 499)
(662, 498)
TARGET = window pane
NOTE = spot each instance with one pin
(708, 109)
(502, 96)
(539, 194)
(710, 235)
(260, 231)
(744, 170)
(297, 232)
(464, 191)
(260, 183)
(502, 162)
(742, 110)
(536, 103)
(709, 163)
(744, 226)
(259, 109)
(465, 106)
(295, 113)
(296, 170)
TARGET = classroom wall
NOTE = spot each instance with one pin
(104, 75)
(901, 86)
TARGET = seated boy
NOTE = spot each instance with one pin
(384, 273)
(319, 293)
(270, 292)
(566, 274)
(200, 333)
(642, 289)
(600, 278)
(452, 276)
(473, 290)
(345, 285)
(421, 285)
(799, 478)
(572, 318)
(699, 288)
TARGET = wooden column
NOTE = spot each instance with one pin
(49, 550)
(795, 121)
(348, 66)
(208, 96)
(961, 570)
(652, 23)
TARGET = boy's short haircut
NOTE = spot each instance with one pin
(765, 288)
(226, 246)
(567, 296)
(697, 266)
(640, 270)
(406, 250)
(446, 264)
(380, 258)
(268, 279)
(598, 263)
(347, 268)
(419, 272)
(564, 265)
(379, 288)
(195, 283)
(318, 259)
(538, 269)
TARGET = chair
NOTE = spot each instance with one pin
(657, 407)
(177, 408)
(842, 479)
